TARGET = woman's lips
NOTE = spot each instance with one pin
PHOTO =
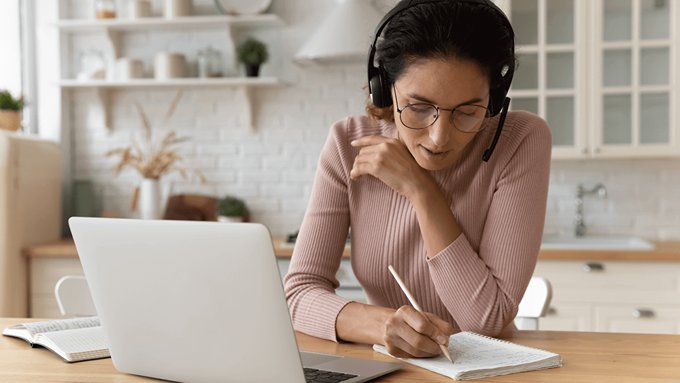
(434, 153)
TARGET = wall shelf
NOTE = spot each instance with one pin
(179, 82)
(243, 85)
(159, 23)
(114, 28)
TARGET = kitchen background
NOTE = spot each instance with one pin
(271, 164)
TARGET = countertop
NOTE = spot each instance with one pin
(665, 251)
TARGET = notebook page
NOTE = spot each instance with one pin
(474, 352)
(477, 352)
(60, 324)
(76, 344)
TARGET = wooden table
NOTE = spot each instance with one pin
(588, 357)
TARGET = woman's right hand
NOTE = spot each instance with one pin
(411, 334)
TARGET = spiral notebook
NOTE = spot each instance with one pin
(476, 356)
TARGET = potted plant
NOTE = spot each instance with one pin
(10, 111)
(232, 209)
(252, 53)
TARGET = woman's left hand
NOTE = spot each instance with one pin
(389, 160)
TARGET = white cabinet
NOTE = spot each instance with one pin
(633, 85)
(551, 77)
(601, 72)
(612, 296)
(567, 317)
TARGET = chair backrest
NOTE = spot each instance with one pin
(73, 296)
(534, 304)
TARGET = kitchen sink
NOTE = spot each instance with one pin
(555, 242)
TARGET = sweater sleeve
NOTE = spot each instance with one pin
(310, 283)
(482, 289)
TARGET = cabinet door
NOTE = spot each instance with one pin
(638, 319)
(612, 282)
(567, 317)
(550, 80)
(633, 94)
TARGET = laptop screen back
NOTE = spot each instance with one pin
(189, 301)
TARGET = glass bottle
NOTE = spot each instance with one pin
(209, 63)
(105, 9)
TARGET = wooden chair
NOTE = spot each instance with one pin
(534, 304)
(73, 296)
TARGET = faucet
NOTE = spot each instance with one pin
(599, 190)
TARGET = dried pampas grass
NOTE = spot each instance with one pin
(153, 159)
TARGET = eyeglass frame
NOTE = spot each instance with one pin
(438, 109)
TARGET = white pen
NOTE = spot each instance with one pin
(415, 305)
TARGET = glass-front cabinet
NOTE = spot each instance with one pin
(601, 72)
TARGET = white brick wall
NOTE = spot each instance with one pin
(643, 197)
(272, 166)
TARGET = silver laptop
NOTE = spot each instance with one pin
(197, 302)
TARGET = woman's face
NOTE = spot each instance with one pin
(446, 83)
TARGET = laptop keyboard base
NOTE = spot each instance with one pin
(313, 375)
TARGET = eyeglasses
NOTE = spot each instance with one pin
(466, 118)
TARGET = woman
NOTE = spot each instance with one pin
(410, 182)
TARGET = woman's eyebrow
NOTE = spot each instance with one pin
(418, 97)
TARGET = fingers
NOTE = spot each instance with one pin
(421, 323)
(444, 327)
(411, 334)
(401, 348)
(371, 158)
(370, 140)
(366, 162)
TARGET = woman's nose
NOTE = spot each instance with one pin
(441, 129)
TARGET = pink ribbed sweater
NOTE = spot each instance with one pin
(476, 282)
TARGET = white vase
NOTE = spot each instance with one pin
(150, 199)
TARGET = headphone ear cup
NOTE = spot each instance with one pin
(499, 93)
(381, 95)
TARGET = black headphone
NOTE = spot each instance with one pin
(380, 88)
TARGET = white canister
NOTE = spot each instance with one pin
(169, 65)
(177, 8)
(139, 8)
(127, 68)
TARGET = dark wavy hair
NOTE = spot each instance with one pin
(442, 30)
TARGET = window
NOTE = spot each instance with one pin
(10, 46)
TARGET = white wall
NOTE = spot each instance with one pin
(272, 166)
(10, 64)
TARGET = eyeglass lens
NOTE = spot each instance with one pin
(465, 118)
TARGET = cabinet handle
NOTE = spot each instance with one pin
(643, 313)
(551, 311)
(593, 266)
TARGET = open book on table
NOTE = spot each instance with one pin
(74, 339)
(476, 356)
